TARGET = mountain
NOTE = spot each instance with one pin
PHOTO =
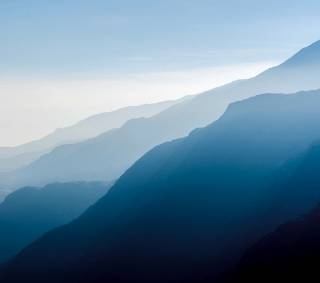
(186, 206)
(107, 156)
(291, 253)
(28, 213)
(14, 157)
(306, 57)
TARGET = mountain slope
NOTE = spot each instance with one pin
(109, 155)
(14, 157)
(292, 252)
(28, 213)
(185, 206)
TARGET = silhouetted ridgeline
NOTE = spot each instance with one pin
(188, 206)
(28, 213)
(106, 157)
(15, 157)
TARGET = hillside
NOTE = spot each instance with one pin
(107, 156)
(187, 205)
(28, 213)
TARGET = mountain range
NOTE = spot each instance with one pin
(15, 157)
(216, 187)
(109, 155)
(189, 205)
(29, 212)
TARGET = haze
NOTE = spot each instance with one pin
(58, 67)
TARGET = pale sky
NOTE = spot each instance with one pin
(62, 61)
(34, 107)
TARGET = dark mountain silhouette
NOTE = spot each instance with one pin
(292, 252)
(14, 157)
(106, 157)
(286, 254)
(186, 206)
(28, 213)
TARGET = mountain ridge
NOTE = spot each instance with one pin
(177, 210)
(147, 133)
(13, 157)
(29, 212)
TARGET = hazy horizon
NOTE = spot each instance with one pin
(159, 141)
(77, 99)
(65, 61)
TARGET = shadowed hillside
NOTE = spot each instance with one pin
(185, 206)
(28, 213)
(292, 252)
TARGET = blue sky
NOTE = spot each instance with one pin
(67, 59)
(68, 36)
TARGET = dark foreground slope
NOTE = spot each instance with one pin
(109, 155)
(186, 206)
(290, 253)
(28, 213)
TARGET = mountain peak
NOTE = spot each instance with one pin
(309, 55)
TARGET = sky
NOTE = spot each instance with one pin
(64, 60)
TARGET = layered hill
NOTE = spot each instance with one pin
(291, 253)
(14, 157)
(188, 205)
(28, 213)
(107, 156)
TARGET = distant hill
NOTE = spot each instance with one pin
(28, 213)
(189, 205)
(14, 157)
(107, 156)
(306, 57)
